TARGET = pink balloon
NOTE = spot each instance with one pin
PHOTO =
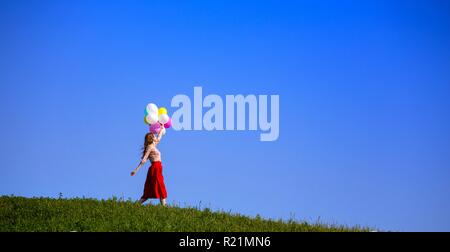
(168, 123)
(155, 128)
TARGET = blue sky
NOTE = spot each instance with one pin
(364, 108)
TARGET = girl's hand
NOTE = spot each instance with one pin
(133, 173)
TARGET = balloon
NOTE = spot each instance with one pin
(163, 118)
(145, 112)
(163, 131)
(151, 118)
(168, 123)
(152, 108)
(155, 128)
(162, 111)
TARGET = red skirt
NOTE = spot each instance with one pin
(154, 184)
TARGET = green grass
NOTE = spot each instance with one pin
(47, 214)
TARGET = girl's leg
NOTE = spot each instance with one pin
(142, 200)
(163, 202)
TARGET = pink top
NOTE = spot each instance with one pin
(151, 153)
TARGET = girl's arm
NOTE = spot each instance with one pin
(137, 169)
(158, 138)
(144, 159)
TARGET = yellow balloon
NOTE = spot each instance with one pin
(162, 110)
(145, 120)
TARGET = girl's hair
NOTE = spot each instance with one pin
(149, 138)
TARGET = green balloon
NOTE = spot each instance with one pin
(145, 112)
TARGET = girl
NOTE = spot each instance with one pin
(154, 184)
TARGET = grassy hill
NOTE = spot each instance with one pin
(47, 214)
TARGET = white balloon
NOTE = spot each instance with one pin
(152, 108)
(152, 118)
(163, 118)
(163, 131)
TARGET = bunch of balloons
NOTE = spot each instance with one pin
(156, 117)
